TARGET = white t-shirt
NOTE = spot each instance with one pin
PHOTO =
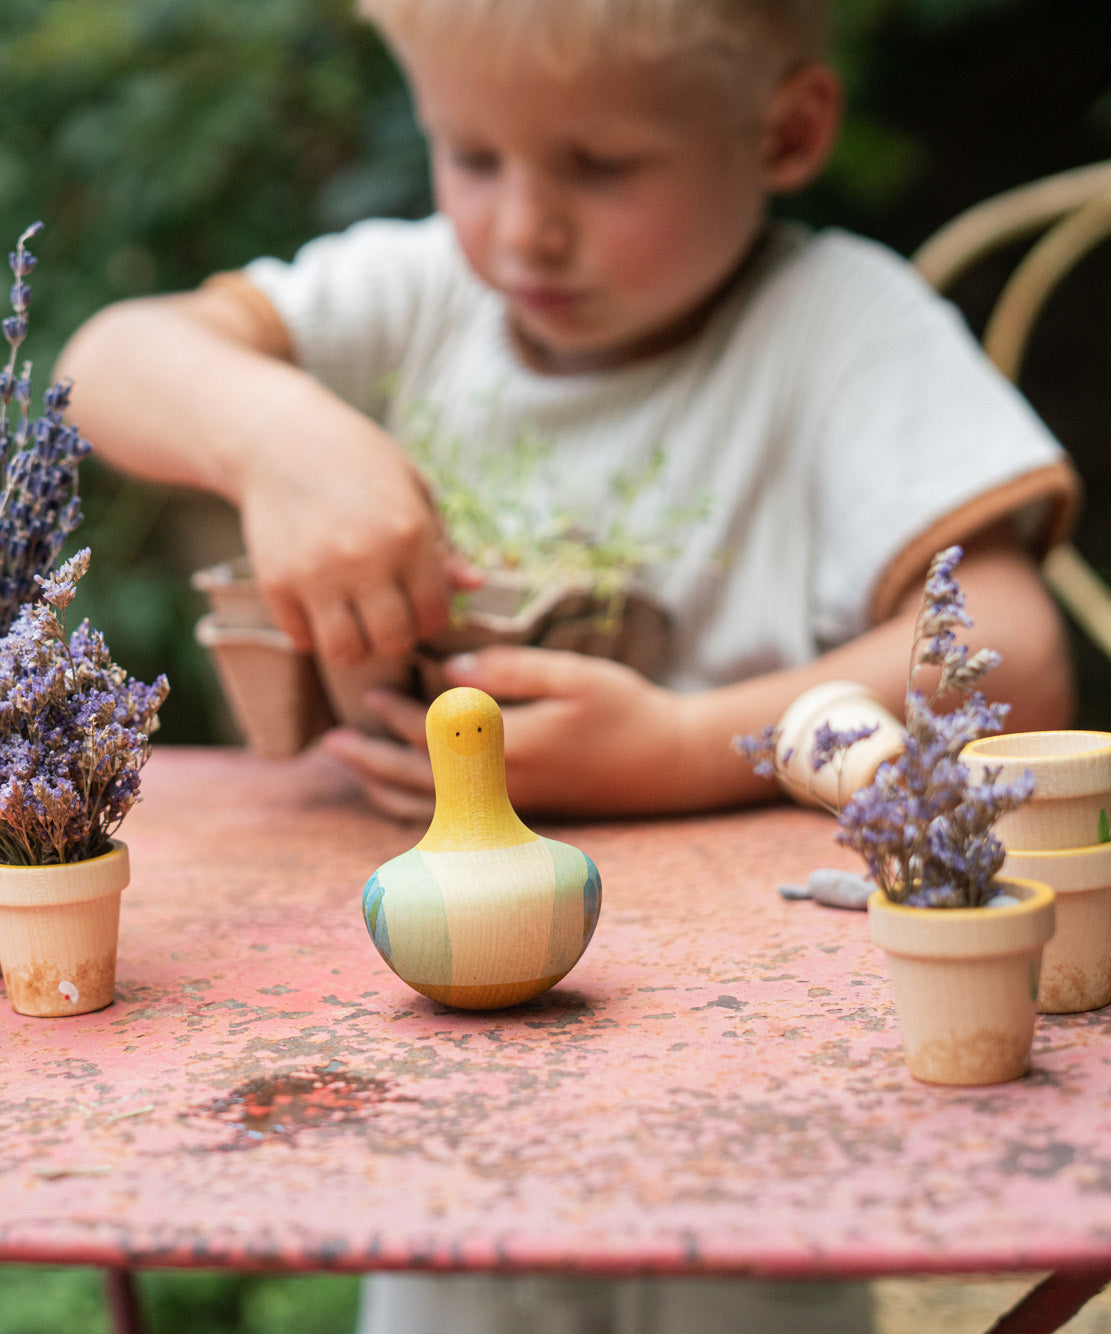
(836, 415)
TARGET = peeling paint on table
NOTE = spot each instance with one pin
(718, 1086)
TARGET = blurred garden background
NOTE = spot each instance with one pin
(162, 140)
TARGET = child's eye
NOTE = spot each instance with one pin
(604, 166)
(476, 161)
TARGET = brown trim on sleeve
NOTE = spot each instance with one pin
(1056, 486)
(270, 324)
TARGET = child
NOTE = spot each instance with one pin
(603, 273)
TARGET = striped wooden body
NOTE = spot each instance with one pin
(482, 929)
(483, 912)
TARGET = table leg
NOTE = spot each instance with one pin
(123, 1301)
(1054, 1300)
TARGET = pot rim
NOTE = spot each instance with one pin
(212, 632)
(1068, 870)
(1012, 745)
(1068, 765)
(966, 932)
(65, 882)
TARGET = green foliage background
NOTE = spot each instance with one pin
(161, 140)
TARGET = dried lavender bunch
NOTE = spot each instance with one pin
(74, 731)
(922, 826)
(39, 507)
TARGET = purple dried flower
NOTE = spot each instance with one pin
(760, 749)
(830, 744)
(38, 462)
(74, 727)
(60, 587)
(74, 734)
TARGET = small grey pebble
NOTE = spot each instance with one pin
(839, 889)
(1002, 901)
(794, 891)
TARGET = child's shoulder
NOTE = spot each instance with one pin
(829, 280)
(833, 255)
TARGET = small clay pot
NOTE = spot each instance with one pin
(59, 926)
(965, 982)
(1076, 966)
(233, 596)
(273, 688)
(1072, 785)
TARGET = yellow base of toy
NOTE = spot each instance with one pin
(487, 996)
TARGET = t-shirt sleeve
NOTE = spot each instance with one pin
(921, 442)
(356, 304)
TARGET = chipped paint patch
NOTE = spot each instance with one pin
(279, 1107)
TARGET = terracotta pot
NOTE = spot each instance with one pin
(1072, 785)
(845, 705)
(1076, 965)
(58, 931)
(965, 982)
(272, 688)
(232, 595)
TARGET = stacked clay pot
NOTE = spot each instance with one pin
(1055, 838)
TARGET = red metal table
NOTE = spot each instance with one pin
(718, 1087)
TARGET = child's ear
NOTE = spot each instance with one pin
(801, 126)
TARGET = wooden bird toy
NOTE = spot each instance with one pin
(481, 913)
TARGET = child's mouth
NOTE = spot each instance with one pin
(544, 300)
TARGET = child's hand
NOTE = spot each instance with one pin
(584, 736)
(346, 542)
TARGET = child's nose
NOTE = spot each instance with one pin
(533, 221)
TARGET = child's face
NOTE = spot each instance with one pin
(608, 207)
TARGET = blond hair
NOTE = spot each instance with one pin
(568, 32)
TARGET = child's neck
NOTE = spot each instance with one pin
(539, 356)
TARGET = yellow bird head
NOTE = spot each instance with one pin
(466, 743)
(465, 721)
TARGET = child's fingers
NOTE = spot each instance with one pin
(401, 715)
(337, 631)
(288, 615)
(387, 621)
(399, 804)
(429, 582)
(462, 575)
(395, 776)
(515, 673)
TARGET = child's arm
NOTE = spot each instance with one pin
(345, 542)
(595, 738)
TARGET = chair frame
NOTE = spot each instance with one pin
(1072, 211)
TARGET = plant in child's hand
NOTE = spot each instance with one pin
(923, 827)
(491, 519)
(74, 727)
(39, 507)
